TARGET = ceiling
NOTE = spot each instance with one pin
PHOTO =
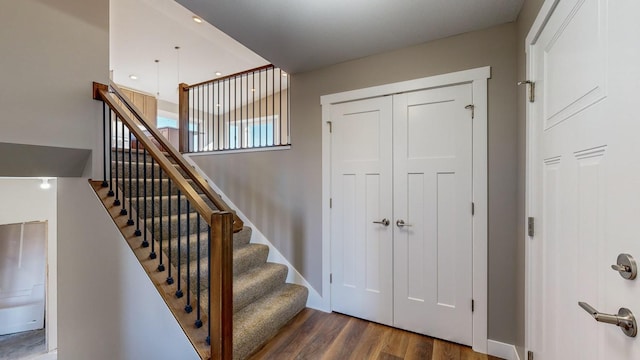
(302, 35)
(296, 35)
(142, 31)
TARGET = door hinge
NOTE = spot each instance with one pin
(532, 89)
(330, 278)
(531, 227)
(473, 208)
(330, 203)
(330, 126)
(473, 305)
(473, 110)
(529, 355)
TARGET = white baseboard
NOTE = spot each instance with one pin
(502, 350)
(315, 300)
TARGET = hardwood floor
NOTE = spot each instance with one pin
(317, 335)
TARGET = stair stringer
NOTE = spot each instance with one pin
(314, 300)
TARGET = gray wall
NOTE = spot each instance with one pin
(280, 190)
(525, 20)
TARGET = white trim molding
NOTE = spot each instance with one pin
(502, 350)
(478, 78)
(314, 300)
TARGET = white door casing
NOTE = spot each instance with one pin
(362, 190)
(477, 78)
(433, 193)
(583, 181)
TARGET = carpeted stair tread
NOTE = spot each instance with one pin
(261, 320)
(257, 282)
(155, 187)
(191, 229)
(247, 287)
(155, 201)
(244, 257)
(155, 167)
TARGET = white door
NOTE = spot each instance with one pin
(361, 190)
(584, 182)
(433, 196)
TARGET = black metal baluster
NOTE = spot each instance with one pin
(116, 201)
(209, 287)
(110, 155)
(260, 105)
(253, 109)
(104, 145)
(138, 232)
(169, 276)
(273, 106)
(152, 254)
(161, 218)
(179, 292)
(130, 221)
(228, 121)
(123, 211)
(198, 322)
(220, 123)
(241, 143)
(188, 308)
(145, 242)
(280, 111)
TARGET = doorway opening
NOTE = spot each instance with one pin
(28, 264)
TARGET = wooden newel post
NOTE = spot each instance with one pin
(183, 116)
(221, 284)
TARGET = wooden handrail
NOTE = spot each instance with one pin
(194, 175)
(259, 68)
(220, 241)
(194, 198)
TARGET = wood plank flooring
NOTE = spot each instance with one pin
(313, 334)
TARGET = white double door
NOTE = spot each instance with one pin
(401, 217)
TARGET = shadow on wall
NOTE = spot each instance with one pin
(37, 161)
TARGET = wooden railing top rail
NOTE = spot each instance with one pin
(175, 154)
(194, 198)
(259, 68)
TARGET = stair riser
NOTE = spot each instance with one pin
(154, 204)
(140, 168)
(190, 229)
(242, 260)
(133, 156)
(159, 187)
(241, 297)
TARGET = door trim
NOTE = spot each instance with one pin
(478, 78)
(530, 185)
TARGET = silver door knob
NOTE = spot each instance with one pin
(400, 223)
(624, 319)
(626, 266)
(384, 222)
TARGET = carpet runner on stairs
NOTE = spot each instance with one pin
(262, 300)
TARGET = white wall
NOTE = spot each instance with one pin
(108, 307)
(24, 201)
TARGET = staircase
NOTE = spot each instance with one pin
(171, 240)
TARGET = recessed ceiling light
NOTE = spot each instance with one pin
(45, 184)
(197, 19)
(253, 89)
(218, 73)
(133, 77)
(218, 105)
